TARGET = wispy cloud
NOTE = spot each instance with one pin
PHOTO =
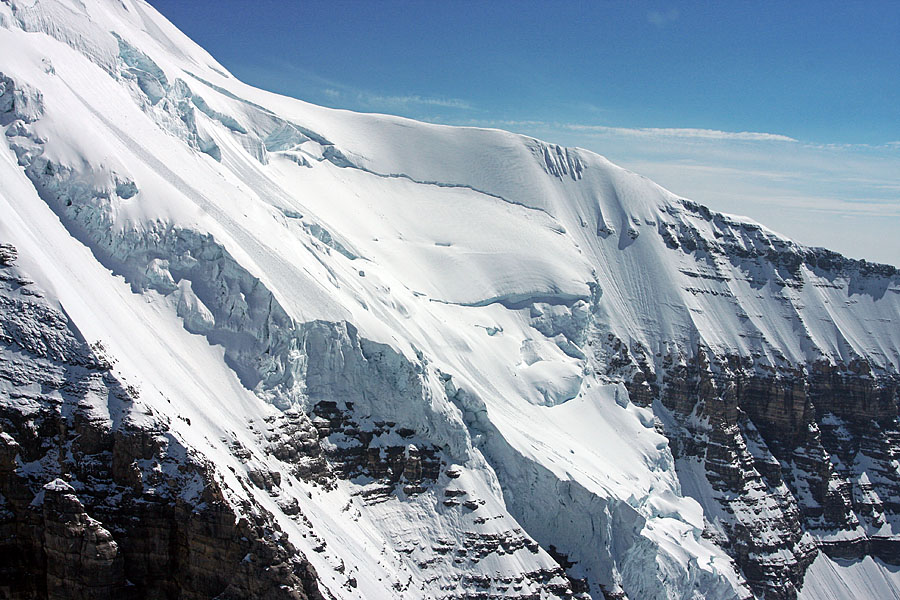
(642, 132)
(709, 134)
(365, 99)
(338, 94)
(510, 124)
(661, 18)
(392, 101)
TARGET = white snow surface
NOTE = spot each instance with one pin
(829, 579)
(475, 253)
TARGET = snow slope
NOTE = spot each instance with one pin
(869, 578)
(248, 256)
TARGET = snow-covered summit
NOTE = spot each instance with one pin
(483, 332)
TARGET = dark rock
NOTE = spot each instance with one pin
(8, 254)
(90, 516)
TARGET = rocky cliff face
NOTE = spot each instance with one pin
(799, 457)
(97, 498)
(798, 461)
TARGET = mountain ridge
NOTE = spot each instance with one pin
(428, 326)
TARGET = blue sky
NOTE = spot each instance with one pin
(788, 112)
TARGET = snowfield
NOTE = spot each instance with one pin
(246, 256)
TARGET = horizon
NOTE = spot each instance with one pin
(775, 113)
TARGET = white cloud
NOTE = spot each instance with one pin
(401, 101)
(354, 98)
(639, 132)
(661, 18)
(713, 134)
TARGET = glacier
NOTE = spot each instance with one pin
(429, 361)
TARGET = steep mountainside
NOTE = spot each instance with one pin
(252, 347)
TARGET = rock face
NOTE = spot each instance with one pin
(813, 451)
(97, 498)
(800, 457)
(82, 558)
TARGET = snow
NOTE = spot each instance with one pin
(474, 253)
(841, 579)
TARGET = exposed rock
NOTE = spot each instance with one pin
(8, 254)
(89, 509)
(788, 444)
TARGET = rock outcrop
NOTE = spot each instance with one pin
(97, 498)
(800, 459)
